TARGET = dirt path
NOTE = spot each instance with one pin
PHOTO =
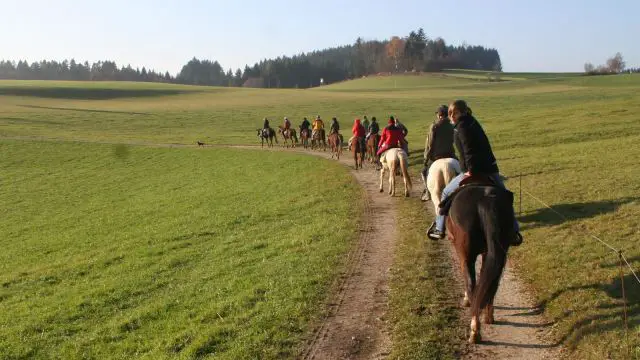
(519, 331)
(356, 326)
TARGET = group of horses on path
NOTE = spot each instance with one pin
(363, 151)
(480, 215)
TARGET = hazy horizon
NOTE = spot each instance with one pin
(163, 35)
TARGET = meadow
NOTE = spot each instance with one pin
(87, 232)
(119, 252)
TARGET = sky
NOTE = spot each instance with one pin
(542, 35)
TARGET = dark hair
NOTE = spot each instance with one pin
(373, 118)
(334, 119)
(461, 106)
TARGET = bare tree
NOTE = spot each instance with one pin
(589, 68)
(616, 64)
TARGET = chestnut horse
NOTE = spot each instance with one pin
(305, 134)
(288, 135)
(358, 151)
(480, 222)
(336, 145)
(372, 148)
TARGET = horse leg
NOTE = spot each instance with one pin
(468, 268)
(381, 178)
(474, 336)
(392, 180)
(488, 315)
(355, 158)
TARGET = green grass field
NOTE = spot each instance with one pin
(574, 139)
(120, 252)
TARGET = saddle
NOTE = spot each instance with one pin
(477, 180)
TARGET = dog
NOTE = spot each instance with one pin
(200, 143)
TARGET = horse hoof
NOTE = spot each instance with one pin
(475, 338)
(488, 320)
(466, 303)
(381, 190)
(406, 194)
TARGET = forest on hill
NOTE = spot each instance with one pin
(415, 52)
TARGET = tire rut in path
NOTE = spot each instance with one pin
(356, 326)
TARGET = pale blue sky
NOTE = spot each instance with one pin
(542, 35)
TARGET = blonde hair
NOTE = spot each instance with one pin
(461, 106)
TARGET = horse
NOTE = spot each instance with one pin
(267, 135)
(480, 222)
(372, 148)
(390, 159)
(336, 145)
(288, 135)
(317, 137)
(358, 148)
(304, 137)
(441, 172)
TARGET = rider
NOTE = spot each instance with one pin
(439, 144)
(318, 124)
(399, 125)
(476, 157)
(305, 126)
(392, 137)
(335, 127)
(287, 123)
(265, 125)
(358, 134)
(366, 124)
(374, 128)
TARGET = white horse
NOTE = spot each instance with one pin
(390, 159)
(441, 173)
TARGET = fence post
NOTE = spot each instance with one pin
(624, 305)
(520, 213)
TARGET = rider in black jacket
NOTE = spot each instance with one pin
(476, 157)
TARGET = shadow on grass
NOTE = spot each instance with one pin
(546, 217)
(85, 93)
(608, 316)
(84, 110)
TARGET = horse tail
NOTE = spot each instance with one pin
(405, 168)
(496, 256)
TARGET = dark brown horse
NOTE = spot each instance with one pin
(288, 135)
(358, 151)
(480, 222)
(305, 135)
(372, 148)
(267, 135)
(335, 142)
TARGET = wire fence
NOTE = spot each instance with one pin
(623, 261)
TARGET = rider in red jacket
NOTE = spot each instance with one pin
(392, 137)
(358, 129)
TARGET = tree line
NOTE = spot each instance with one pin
(413, 53)
(614, 65)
